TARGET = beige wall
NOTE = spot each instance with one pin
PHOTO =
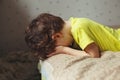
(16, 14)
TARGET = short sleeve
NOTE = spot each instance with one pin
(84, 39)
(81, 32)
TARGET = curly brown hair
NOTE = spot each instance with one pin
(38, 34)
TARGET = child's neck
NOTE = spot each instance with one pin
(67, 28)
(68, 23)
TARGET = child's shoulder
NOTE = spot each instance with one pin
(76, 18)
(80, 20)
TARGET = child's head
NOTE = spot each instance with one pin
(39, 33)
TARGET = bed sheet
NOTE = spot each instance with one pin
(66, 67)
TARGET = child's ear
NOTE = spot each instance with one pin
(56, 36)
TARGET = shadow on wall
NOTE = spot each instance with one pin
(13, 20)
(15, 65)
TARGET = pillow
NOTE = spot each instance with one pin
(46, 70)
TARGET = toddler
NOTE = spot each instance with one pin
(49, 35)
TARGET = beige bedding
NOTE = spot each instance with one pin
(66, 67)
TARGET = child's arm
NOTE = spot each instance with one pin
(68, 50)
(93, 50)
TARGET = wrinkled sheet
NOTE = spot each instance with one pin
(66, 67)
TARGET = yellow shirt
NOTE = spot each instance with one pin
(86, 31)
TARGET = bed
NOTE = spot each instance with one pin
(67, 67)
